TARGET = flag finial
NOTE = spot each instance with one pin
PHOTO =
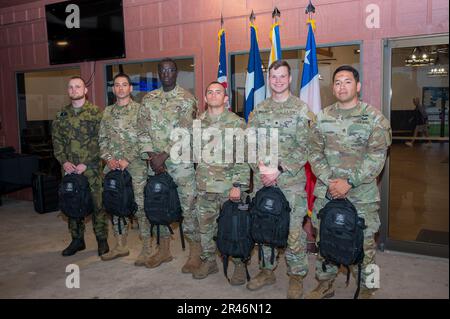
(252, 17)
(221, 20)
(310, 8)
(276, 13)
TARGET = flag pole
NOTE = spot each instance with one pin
(309, 229)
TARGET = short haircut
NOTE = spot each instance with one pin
(348, 68)
(122, 75)
(167, 60)
(215, 82)
(279, 63)
(77, 77)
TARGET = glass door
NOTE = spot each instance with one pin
(415, 182)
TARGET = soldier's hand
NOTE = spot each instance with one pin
(69, 168)
(123, 164)
(338, 187)
(235, 194)
(112, 164)
(160, 170)
(81, 168)
(158, 160)
(269, 175)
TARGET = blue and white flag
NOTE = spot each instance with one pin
(255, 91)
(310, 87)
(275, 52)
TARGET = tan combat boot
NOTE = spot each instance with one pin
(323, 290)
(145, 252)
(194, 261)
(295, 290)
(366, 293)
(264, 278)
(121, 249)
(206, 268)
(162, 254)
(239, 275)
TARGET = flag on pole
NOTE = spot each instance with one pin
(222, 69)
(310, 94)
(275, 51)
(310, 87)
(255, 91)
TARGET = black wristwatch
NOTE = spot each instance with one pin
(237, 184)
(280, 169)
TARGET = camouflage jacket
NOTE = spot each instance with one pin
(75, 135)
(162, 112)
(218, 176)
(118, 136)
(292, 119)
(350, 144)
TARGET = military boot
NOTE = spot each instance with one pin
(264, 278)
(145, 252)
(75, 245)
(295, 290)
(162, 254)
(207, 267)
(120, 250)
(366, 293)
(239, 275)
(103, 246)
(323, 290)
(194, 261)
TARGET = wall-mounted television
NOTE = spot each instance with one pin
(85, 30)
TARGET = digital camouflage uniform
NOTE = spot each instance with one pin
(350, 144)
(214, 180)
(291, 118)
(118, 139)
(75, 140)
(162, 112)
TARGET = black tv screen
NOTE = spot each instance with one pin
(85, 30)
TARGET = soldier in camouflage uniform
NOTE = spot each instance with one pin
(291, 117)
(218, 180)
(120, 148)
(75, 143)
(349, 143)
(162, 111)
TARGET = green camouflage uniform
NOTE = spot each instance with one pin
(291, 118)
(118, 139)
(214, 181)
(350, 144)
(162, 112)
(75, 140)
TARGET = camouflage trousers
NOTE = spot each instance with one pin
(184, 176)
(207, 209)
(99, 217)
(370, 214)
(138, 174)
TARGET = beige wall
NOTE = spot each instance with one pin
(46, 93)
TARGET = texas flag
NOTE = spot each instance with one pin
(310, 88)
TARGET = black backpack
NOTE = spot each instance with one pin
(162, 204)
(118, 195)
(234, 237)
(270, 213)
(75, 198)
(341, 236)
